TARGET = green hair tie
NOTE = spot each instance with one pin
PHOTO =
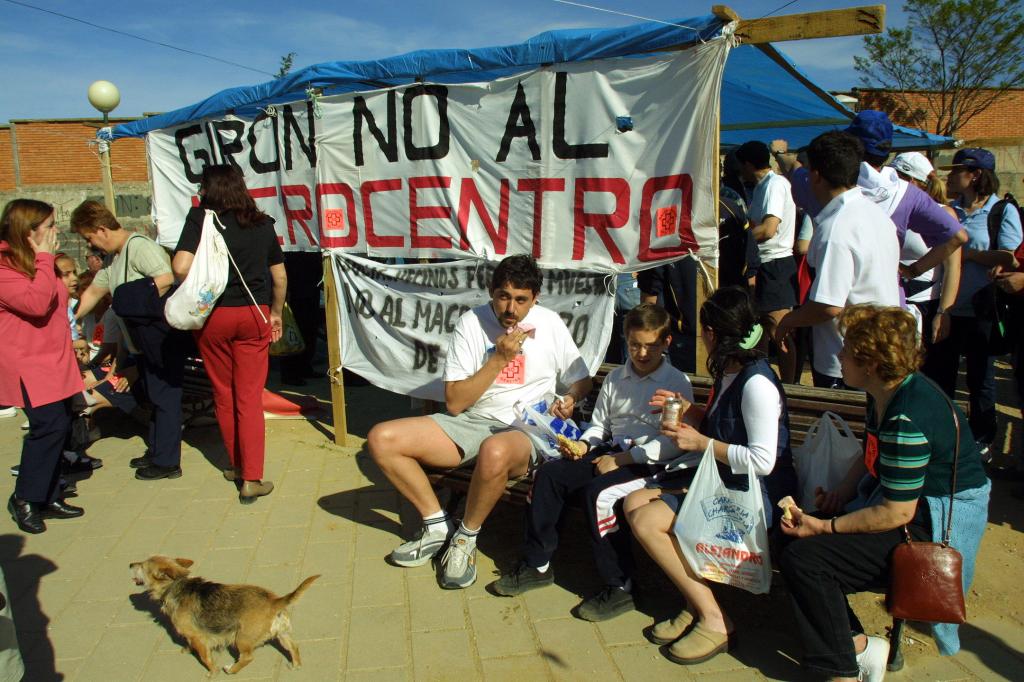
(753, 338)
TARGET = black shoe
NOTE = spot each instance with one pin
(83, 464)
(139, 462)
(610, 602)
(523, 579)
(26, 515)
(58, 509)
(67, 486)
(154, 472)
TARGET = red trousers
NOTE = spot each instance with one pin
(234, 346)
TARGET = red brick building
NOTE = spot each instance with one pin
(1003, 119)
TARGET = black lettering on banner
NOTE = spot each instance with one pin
(422, 312)
(258, 165)
(425, 355)
(388, 145)
(436, 320)
(563, 149)
(308, 146)
(391, 312)
(358, 300)
(520, 111)
(179, 141)
(229, 149)
(440, 149)
(580, 327)
(452, 315)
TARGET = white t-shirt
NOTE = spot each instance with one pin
(913, 248)
(761, 405)
(855, 254)
(623, 411)
(548, 361)
(773, 196)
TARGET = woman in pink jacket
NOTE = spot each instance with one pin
(38, 371)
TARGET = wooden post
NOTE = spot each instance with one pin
(853, 21)
(334, 353)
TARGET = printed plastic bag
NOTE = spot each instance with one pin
(192, 302)
(291, 342)
(825, 457)
(544, 428)
(723, 533)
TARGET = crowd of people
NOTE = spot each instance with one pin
(893, 284)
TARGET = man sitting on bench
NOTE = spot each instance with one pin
(622, 446)
(506, 352)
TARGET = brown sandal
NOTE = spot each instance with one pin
(698, 646)
(668, 631)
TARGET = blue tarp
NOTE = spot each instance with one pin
(764, 96)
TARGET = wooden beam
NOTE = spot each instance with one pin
(854, 21)
(334, 353)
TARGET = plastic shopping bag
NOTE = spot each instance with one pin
(544, 428)
(825, 457)
(723, 533)
(192, 302)
(291, 342)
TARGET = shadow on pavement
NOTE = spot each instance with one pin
(22, 573)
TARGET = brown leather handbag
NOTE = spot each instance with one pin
(925, 579)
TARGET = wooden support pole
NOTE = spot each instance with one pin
(334, 353)
(853, 21)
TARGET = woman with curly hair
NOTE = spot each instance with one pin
(904, 480)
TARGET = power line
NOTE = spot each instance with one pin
(137, 37)
(791, 2)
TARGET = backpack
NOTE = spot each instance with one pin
(995, 219)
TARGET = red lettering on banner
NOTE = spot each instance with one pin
(684, 184)
(418, 213)
(266, 193)
(600, 222)
(469, 196)
(366, 190)
(298, 215)
(538, 186)
(333, 219)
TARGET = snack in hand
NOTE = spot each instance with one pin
(574, 449)
(785, 504)
(528, 329)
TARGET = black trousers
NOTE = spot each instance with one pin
(163, 387)
(39, 472)
(305, 270)
(970, 338)
(553, 484)
(820, 572)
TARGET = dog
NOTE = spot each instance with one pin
(212, 616)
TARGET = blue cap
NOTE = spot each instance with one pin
(973, 157)
(874, 129)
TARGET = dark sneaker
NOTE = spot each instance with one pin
(154, 472)
(610, 602)
(82, 464)
(523, 579)
(139, 462)
(421, 548)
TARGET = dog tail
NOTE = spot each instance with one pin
(289, 599)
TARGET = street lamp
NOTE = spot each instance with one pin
(104, 97)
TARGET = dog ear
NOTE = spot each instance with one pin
(184, 563)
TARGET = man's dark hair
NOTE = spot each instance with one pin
(647, 317)
(755, 152)
(520, 271)
(875, 160)
(836, 156)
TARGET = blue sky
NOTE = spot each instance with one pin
(48, 61)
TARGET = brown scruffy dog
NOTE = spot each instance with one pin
(211, 615)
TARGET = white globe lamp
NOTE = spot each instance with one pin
(104, 97)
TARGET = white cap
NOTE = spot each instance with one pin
(913, 164)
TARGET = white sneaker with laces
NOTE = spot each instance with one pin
(422, 547)
(872, 661)
(459, 563)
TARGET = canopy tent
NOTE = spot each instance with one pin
(764, 95)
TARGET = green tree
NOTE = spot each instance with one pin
(286, 65)
(952, 60)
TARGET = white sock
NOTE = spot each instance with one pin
(544, 568)
(470, 535)
(437, 523)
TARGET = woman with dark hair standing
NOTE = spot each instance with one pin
(748, 424)
(38, 370)
(235, 341)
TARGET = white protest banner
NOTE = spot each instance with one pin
(606, 165)
(396, 319)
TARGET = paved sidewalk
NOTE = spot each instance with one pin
(79, 616)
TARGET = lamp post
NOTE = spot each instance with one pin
(104, 97)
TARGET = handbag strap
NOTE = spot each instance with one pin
(956, 460)
(220, 226)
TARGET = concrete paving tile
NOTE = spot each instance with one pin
(68, 667)
(932, 668)
(290, 510)
(430, 607)
(187, 544)
(321, 661)
(34, 609)
(322, 612)
(177, 666)
(76, 630)
(330, 527)
(236, 530)
(370, 630)
(306, 457)
(298, 482)
(281, 546)
(549, 602)
(332, 560)
(645, 662)
(228, 565)
(988, 658)
(376, 543)
(121, 654)
(626, 629)
(142, 538)
(204, 515)
(443, 655)
(501, 627)
(103, 522)
(375, 583)
(163, 502)
(214, 488)
(574, 650)
(278, 579)
(745, 675)
(1003, 629)
(515, 669)
(378, 675)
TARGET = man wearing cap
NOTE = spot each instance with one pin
(908, 206)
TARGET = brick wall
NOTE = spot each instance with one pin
(1002, 119)
(6, 160)
(59, 153)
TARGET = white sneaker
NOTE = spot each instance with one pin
(872, 661)
(8, 412)
(459, 563)
(421, 548)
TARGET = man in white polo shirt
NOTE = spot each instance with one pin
(772, 217)
(854, 252)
